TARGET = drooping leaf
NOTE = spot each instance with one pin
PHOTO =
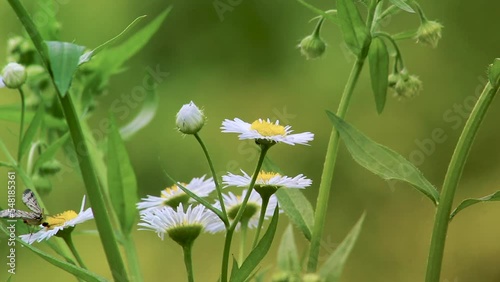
(88, 55)
(64, 58)
(353, 28)
(332, 269)
(256, 255)
(70, 268)
(403, 5)
(143, 118)
(378, 56)
(51, 151)
(30, 133)
(494, 72)
(122, 184)
(288, 256)
(495, 197)
(294, 204)
(381, 160)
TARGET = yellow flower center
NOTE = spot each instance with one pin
(266, 176)
(266, 128)
(173, 189)
(59, 219)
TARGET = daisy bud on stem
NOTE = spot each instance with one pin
(14, 75)
(404, 84)
(312, 46)
(429, 32)
(190, 119)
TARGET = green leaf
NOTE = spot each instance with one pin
(402, 5)
(331, 270)
(378, 56)
(257, 254)
(143, 118)
(7, 153)
(64, 58)
(88, 55)
(122, 183)
(381, 160)
(294, 204)
(111, 60)
(352, 25)
(495, 197)
(288, 256)
(51, 151)
(13, 113)
(494, 73)
(70, 268)
(30, 133)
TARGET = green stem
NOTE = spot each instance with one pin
(263, 208)
(243, 240)
(332, 150)
(132, 259)
(230, 231)
(214, 174)
(188, 261)
(94, 192)
(451, 180)
(21, 126)
(69, 241)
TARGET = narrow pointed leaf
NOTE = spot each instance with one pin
(30, 133)
(378, 56)
(495, 197)
(402, 5)
(257, 254)
(288, 256)
(381, 160)
(333, 267)
(122, 183)
(352, 25)
(64, 58)
(294, 204)
(494, 72)
(143, 118)
(70, 268)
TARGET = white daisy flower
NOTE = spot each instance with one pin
(63, 221)
(182, 226)
(267, 180)
(266, 130)
(173, 195)
(252, 209)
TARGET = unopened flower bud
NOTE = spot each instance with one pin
(312, 46)
(405, 85)
(429, 33)
(50, 167)
(13, 75)
(190, 119)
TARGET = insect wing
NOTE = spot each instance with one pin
(6, 213)
(31, 202)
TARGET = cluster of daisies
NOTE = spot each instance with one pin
(176, 213)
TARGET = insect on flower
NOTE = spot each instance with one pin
(35, 217)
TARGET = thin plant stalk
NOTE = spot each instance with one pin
(132, 259)
(263, 208)
(332, 149)
(243, 240)
(188, 261)
(21, 125)
(232, 227)
(451, 180)
(69, 241)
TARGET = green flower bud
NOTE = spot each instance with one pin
(13, 75)
(50, 167)
(312, 46)
(190, 119)
(405, 85)
(429, 33)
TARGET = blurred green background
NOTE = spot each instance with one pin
(247, 65)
